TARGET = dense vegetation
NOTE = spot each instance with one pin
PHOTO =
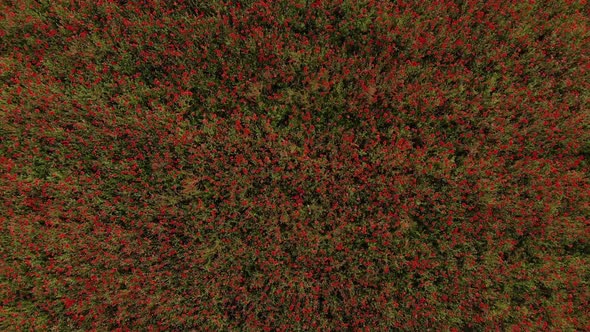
(294, 165)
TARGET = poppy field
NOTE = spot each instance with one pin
(294, 165)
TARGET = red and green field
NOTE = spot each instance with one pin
(341, 165)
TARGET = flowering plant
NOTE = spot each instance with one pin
(294, 165)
